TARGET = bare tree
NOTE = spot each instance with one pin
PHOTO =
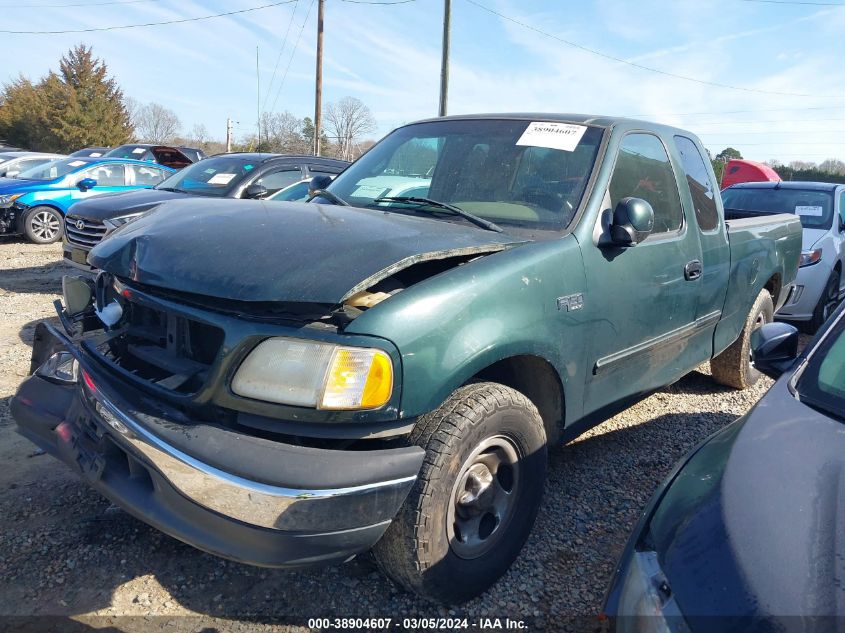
(282, 132)
(156, 124)
(347, 121)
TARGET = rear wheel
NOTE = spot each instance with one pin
(733, 366)
(476, 497)
(43, 225)
(827, 303)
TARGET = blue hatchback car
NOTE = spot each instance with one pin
(35, 201)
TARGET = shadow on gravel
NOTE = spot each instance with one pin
(45, 279)
(70, 553)
(27, 332)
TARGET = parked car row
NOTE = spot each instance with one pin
(38, 189)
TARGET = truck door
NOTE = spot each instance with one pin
(701, 194)
(639, 301)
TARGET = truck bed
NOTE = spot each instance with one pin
(758, 242)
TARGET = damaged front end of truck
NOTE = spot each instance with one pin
(246, 422)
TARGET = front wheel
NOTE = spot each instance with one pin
(43, 225)
(827, 303)
(476, 497)
(733, 366)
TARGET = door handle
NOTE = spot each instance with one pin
(692, 270)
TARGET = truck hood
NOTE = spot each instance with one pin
(753, 523)
(113, 205)
(266, 251)
(811, 236)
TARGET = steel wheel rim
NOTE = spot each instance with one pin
(483, 498)
(45, 225)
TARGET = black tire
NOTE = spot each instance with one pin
(423, 550)
(827, 303)
(733, 366)
(43, 225)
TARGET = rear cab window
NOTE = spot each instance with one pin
(701, 187)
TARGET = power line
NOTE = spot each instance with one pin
(774, 132)
(648, 68)
(292, 53)
(652, 114)
(133, 26)
(812, 4)
(279, 58)
(77, 4)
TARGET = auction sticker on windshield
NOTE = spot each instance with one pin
(563, 136)
(809, 210)
(220, 179)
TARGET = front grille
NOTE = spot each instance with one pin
(172, 352)
(88, 236)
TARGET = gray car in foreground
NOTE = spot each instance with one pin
(821, 207)
(747, 533)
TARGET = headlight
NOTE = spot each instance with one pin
(114, 223)
(311, 374)
(6, 201)
(646, 604)
(808, 258)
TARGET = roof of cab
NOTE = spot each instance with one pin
(583, 119)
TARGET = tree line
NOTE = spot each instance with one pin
(829, 170)
(81, 105)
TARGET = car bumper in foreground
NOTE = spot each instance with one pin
(238, 496)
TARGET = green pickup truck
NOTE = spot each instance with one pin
(383, 368)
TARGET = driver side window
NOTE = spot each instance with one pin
(842, 208)
(643, 171)
(106, 175)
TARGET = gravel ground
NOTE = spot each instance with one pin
(65, 551)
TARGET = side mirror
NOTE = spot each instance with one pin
(256, 192)
(633, 221)
(14, 172)
(317, 183)
(86, 183)
(774, 347)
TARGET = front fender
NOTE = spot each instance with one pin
(450, 327)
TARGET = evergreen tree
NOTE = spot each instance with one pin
(78, 106)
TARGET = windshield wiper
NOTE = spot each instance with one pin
(173, 189)
(328, 195)
(485, 224)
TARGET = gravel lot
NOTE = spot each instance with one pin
(65, 551)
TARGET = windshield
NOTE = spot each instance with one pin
(52, 170)
(521, 174)
(216, 176)
(814, 207)
(128, 151)
(822, 383)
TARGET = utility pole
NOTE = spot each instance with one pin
(444, 63)
(318, 93)
(228, 135)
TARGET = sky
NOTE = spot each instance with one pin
(782, 60)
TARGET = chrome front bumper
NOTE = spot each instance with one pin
(238, 496)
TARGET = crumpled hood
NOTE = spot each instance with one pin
(252, 250)
(113, 205)
(754, 524)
